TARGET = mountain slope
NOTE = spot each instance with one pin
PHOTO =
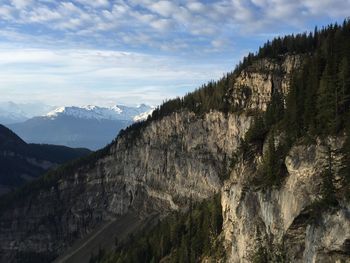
(91, 126)
(21, 162)
(257, 137)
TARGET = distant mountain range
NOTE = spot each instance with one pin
(90, 126)
(118, 112)
(21, 162)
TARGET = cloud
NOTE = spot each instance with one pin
(162, 24)
(6, 12)
(21, 3)
(94, 3)
(333, 8)
(196, 7)
(49, 75)
(164, 8)
(43, 14)
(75, 44)
(87, 21)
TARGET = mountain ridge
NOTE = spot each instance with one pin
(282, 172)
(89, 126)
(117, 112)
(22, 162)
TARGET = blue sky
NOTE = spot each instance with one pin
(77, 52)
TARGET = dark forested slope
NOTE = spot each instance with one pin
(21, 162)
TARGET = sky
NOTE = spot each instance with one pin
(78, 52)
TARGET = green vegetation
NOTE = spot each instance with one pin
(319, 97)
(17, 157)
(10, 142)
(211, 96)
(328, 189)
(180, 237)
(324, 78)
(345, 164)
(273, 164)
(270, 254)
(317, 104)
(51, 178)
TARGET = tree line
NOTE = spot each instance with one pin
(180, 237)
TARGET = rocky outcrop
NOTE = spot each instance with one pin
(171, 160)
(253, 87)
(280, 220)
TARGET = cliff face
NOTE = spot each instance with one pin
(281, 221)
(285, 221)
(172, 159)
(253, 87)
(183, 156)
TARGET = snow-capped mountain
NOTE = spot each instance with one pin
(117, 112)
(90, 126)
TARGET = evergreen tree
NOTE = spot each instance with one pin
(275, 110)
(326, 103)
(312, 83)
(344, 171)
(328, 189)
(344, 86)
(271, 162)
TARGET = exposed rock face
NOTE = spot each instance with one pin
(172, 159)
(278, 219)
(184, 155)
(253, 87)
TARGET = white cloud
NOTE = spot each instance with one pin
(164, 8)
(334, 8)
(162, 24)
(43, 14)
(179, 28)
(6, 12)
(65, 75)
(94, 3)
(21, 3)
(197, 7)
(70, 8)
(159, 19)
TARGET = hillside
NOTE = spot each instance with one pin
(270, 138)
(21, 162)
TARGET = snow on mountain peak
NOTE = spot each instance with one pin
(55, 112)
(116, 112)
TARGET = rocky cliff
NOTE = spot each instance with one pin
(285, 222)
(253, 87)
(183, 157)
(179, 156)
